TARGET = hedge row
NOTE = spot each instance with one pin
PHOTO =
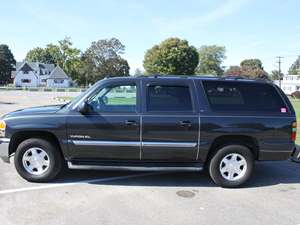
(42, 89)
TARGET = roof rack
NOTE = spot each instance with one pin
(234, 77)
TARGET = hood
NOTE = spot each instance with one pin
(34, 111)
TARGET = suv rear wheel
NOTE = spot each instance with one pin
(38, 160)
(231, 166)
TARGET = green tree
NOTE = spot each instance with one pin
(102, 59)
(7, 64)
(252, 64)
(138, 72)
(172, 56)
(295, 67)
(39, 55)
(211, 58)
(275, 75)
(233, 71)
(62, 54)
(252, 68)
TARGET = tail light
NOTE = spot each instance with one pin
(294, 131)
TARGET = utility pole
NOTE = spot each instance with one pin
(279, 69)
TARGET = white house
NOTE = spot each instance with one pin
(289, 83)
(58, 78)
(39, 75)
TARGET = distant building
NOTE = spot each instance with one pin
(40, 75)
(289, 83)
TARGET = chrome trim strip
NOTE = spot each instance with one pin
(132, 168)
(274, 151)
(135, 143)
(169, 144)
(107, 143)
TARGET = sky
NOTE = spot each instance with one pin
(260, 29)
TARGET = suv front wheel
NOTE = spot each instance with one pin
(231, 166)
(38, 160)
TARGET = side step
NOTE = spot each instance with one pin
(141, 167)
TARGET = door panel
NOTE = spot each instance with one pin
(104, 137)
(167, 139)
(170, 122)
(110, 127)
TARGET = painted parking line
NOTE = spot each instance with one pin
(99, 180)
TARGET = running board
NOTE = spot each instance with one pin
(133, 168)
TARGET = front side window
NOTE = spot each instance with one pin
(121, 98)
(241, 96)
(169, 98)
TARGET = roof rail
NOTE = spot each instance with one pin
(234, 77)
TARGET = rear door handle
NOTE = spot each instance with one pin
(185, 123)
(130, 123)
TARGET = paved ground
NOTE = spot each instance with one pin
(94, 197)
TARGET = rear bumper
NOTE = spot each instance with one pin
(274, 155)
(296, 154)
(4, 149)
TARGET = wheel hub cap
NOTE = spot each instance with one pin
(36, 161)
(233, 167)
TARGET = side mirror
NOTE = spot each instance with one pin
(83, 107)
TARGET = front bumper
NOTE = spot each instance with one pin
(4, 149)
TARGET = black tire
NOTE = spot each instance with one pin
(215, 161)
(55, 160)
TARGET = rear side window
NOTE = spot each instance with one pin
(231, 96)
(168, 98)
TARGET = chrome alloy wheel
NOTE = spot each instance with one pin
(233, 167)
(36, 161)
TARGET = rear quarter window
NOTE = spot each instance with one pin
(242, 96)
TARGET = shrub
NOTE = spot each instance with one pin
(296, 94)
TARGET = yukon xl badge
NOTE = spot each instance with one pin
(80, 136)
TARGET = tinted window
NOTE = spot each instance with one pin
(114, 99)
(169, 98)
(230, 96)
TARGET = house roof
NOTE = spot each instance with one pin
(58, 73)
(36, 66)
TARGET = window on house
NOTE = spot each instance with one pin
(58, 81)
(26, 81)
(44, 80)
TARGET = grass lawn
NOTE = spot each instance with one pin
(120, 101)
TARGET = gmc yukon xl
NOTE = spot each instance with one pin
(155, 123)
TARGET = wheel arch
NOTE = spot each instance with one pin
(21, 136)
(245, 140)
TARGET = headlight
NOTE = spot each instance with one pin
(2, 128)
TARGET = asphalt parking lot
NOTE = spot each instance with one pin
(95, 197)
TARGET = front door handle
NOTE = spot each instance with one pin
(185, 123)
(130, 123)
